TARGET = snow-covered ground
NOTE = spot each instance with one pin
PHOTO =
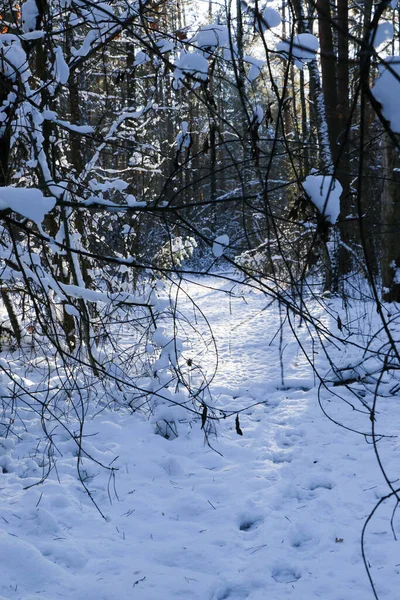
(276, 513)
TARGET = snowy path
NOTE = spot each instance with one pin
(278, 514)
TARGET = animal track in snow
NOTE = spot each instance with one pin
(249, 525)
(319, 481)
(285, 574)
(281, 457)
(231, 593)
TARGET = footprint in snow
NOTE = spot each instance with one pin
(302, 536)
(231, 593)
(285, 574)
(319, 481)
(281, 457)
(249, 524)
(289, 438)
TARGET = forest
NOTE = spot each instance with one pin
(200, 286)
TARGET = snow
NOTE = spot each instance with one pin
(258, 113)
(101, 13)
(324, 192)
(141, 58)
(275, 513)
(33, 35)
(13, 58)
(220, 244)
(61, 67)
(112, 184)
(82, 129)
(212, 36)
(86, 46)
(133, 202)
(386, 90)
(303, 48)
(164, 45)
(28, 202)
(383, 33)
(183, 139)
(30, 13)
(255, 68)
(270, 19)
(190, 64)
(95, 296)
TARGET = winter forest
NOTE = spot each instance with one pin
(200, 288)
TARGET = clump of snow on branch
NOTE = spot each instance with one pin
(212, 36)
(60, 66)
(258, 114)
(256, 65)
(269, 19)
(164, 45)
(324, 192)
(141, 58)
(13, 60)
(28, 202)
(99, 13)
(190, 64)
(183, 139)
(302, 48)
(386, 91)
(383, 33)
(220, 244)
(29, 13)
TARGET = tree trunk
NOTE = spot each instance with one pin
(328, 68)
(5, 87)
(347, 230)
(390, 222)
